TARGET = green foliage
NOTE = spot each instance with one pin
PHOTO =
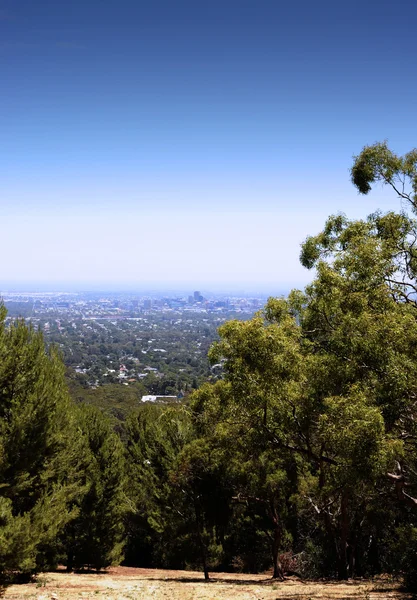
(154, 436)
(17, 543)
(305, 446)
(95, 537)
(39, 449)
(116, 400)
(377, 163)
(329, 378)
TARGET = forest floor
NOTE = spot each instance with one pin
(124, 583)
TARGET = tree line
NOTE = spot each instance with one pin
(301, 458)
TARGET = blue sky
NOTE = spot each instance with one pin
(191, 143)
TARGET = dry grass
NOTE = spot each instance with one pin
(124, 583)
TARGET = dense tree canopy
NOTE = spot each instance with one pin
(303, 456)
(40, 449)
(95, 537)
(329, 376)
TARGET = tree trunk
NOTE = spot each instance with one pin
(343, 568)
(278, 573)
(352, 560)
(276, 546)
(201, 541)
(330, 529)
(70, 561)
(206, 571)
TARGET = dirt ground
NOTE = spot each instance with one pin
(123, 583)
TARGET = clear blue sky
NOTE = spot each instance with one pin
(193, 144)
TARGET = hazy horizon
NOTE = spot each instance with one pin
(108, 287)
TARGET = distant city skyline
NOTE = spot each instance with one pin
(45, 288)
(190, 144)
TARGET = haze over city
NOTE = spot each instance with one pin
(189, 145)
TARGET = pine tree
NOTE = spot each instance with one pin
(95, 538)
(39, 449)
(154, 437)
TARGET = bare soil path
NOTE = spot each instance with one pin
(123, 583)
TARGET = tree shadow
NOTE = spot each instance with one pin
(61, 570)
(214, 579)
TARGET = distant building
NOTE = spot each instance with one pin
(198, 297)
(176, 303)
(151, 398)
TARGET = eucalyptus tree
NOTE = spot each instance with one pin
(329, 376)
(361, 314)
(249, 414)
